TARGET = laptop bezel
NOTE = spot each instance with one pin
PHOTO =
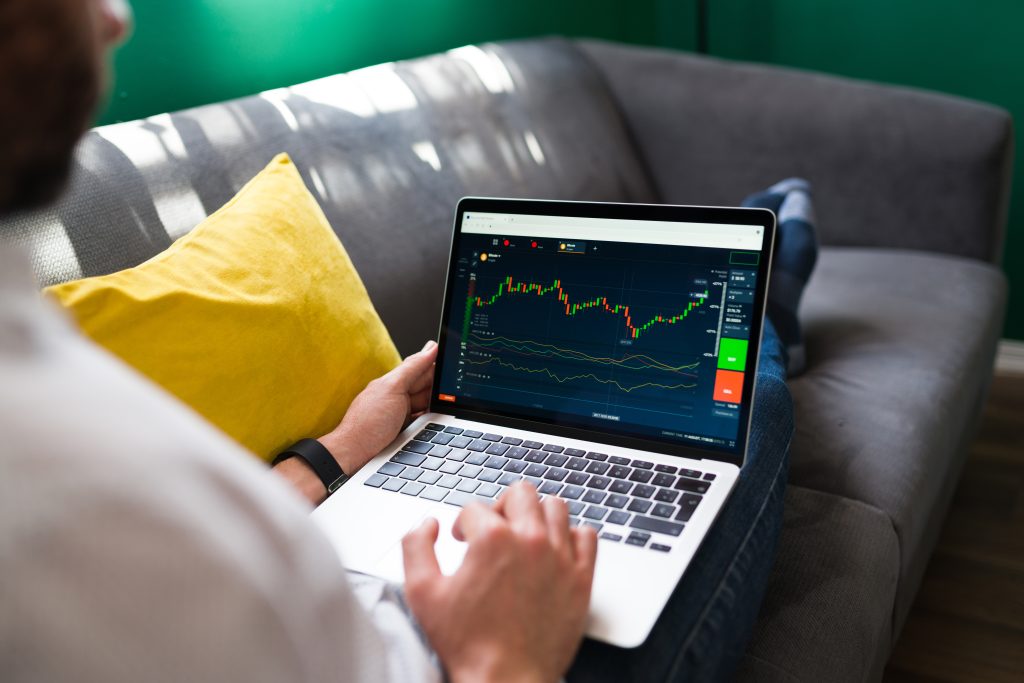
(659, 212)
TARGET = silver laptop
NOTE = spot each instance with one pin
(604, 352)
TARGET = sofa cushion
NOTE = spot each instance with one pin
(829, 598)
(899, 348)
(388, 151)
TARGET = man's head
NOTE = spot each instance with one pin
(52, 73)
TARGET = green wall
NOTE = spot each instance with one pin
(191, 52)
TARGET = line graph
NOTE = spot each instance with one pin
(588, 375)
(571, 308)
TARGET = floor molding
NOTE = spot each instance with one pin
(1010, 357)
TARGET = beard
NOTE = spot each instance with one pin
(50, 81)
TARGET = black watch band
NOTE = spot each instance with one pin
(320, 459)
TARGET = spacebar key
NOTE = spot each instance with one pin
(662, 526)
(462, 499)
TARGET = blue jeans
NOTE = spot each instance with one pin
(704, 629)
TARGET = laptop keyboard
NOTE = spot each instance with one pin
(629, 501)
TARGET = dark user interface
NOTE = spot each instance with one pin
(644, 340)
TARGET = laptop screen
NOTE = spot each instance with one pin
(641, 329)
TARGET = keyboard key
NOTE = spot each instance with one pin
(394, 484)
(432, 463)
(666, 496)
(616, 501)
(641, 476)
(439, 451)
(405, 458)
(496, 462)
(434, 426)
(477, 458)
(429, 477)
(536, 481)
(448, 481)
(619, 472)
(411, 473)
(556, 460)
(433, 493)
(575, 507)
(535, 456)
(576, 464)
(550, 488)
(596, 526)
(535, 470)
(577, 478)
(637, 505)
(507, 478)
(687, 504)
(517, 452)
(692, 474)
(458, 456)
(391, 469)
(556, 473)
(479, 445)
(660, 547)
(709, 477)
(619, 486)
(594, 496)
(609, 536)
(470, 471)
(573, 521)
(511, 441)
(532, 444)
(552, 448)
(489, 475)
(660, 525)
(663, 479)
(663, 510)
(637, 539)
(618, 517)
(453, 430)
(426, 435)
(412, 488)
(488, 490)
(472, 433)
(460, 441)
(468, 486)
(492, 437)
(595, 512)
(516, 466)
(497, 449)
(692, 485)
(451, 467)
(597, 456)
(618, 460)
(462, 499)
(597, 482)
(571, 492)
(667, 469)
(417, 447)
(597, 467)
(643, 491)
(642, 464)
(375, 480)
(574, 452)
(442, 439)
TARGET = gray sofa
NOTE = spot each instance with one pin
(901, 317)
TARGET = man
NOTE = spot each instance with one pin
(136, 543)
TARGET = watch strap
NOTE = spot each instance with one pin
(319, 459)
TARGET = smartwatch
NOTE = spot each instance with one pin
(320, 461)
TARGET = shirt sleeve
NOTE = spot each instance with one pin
(139, 544)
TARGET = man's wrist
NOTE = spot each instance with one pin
(298, 472)
(344, 449)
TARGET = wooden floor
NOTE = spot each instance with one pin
(967, 623)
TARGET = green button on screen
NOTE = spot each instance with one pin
(732, 354)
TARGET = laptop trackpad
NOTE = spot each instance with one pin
(448, 550)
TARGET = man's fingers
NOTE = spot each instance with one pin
(556, 516)
(420, 401)
(522, 508)
(475, 520)
(421, 568)
(585, 540)
(424, 381)
(412, 369)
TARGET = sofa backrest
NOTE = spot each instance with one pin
(387, 151)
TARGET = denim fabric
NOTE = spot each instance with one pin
(707, 622)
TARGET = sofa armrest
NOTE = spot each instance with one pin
(891, 166)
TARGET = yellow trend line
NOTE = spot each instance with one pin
(597, 359)
(589, 375)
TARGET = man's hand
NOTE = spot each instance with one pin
(516, 608)
(372, 421)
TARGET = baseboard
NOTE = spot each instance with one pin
(1010, 357)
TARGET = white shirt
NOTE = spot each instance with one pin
(137, 543)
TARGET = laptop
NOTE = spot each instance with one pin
(604, 352)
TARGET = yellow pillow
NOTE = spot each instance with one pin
(257, 318)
